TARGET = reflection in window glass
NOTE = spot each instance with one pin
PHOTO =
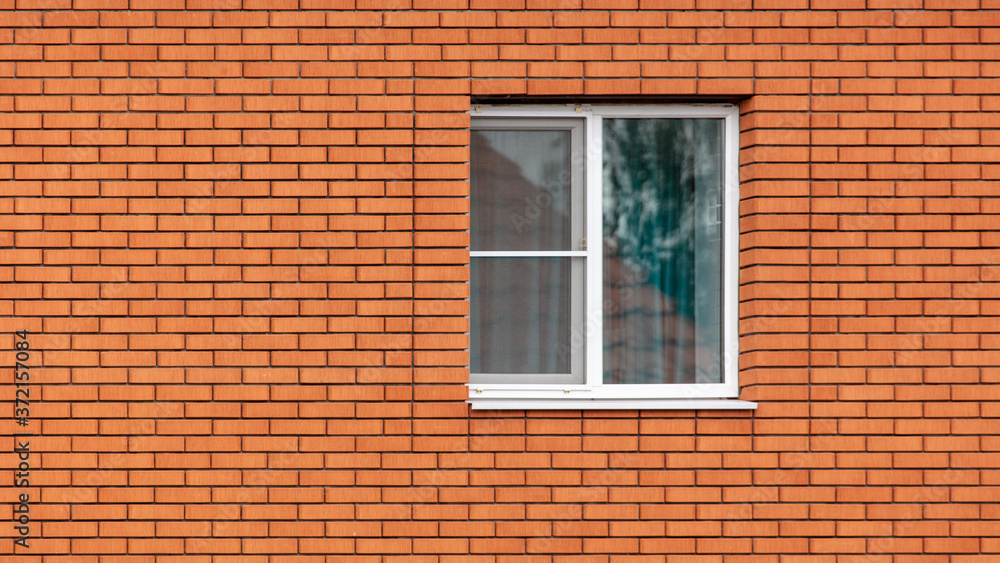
(521, 188)
(662, 231)
(521, 315)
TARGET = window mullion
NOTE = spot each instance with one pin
(594, 283)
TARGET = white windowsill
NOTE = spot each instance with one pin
(610, 404)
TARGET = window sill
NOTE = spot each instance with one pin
(522, 404)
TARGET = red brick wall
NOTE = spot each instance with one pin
(238, 238)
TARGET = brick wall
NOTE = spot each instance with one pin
(238, 237)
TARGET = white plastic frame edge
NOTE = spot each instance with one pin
(665, 396)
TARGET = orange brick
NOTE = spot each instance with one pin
(215, 222)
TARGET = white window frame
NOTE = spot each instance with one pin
(593, 393)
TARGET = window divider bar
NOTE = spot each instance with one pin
(594, 283)
(528, 254)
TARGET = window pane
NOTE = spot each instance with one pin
(521, 315)
(520, 184)
(662, 213)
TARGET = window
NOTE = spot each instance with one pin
(604, 257)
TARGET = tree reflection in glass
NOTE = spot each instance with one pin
(662, 217)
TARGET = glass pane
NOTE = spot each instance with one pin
(521, 197)
(662, 211)
(520, 315)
